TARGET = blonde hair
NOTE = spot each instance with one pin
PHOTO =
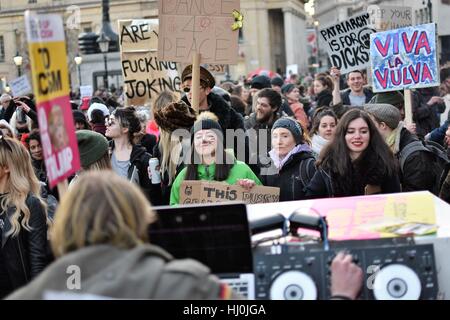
(101, 208)
(21, 182)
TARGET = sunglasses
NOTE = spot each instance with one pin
(188, 89)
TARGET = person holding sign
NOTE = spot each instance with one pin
(358, 161)
(23, 218)
(292, 160)
(209, 160)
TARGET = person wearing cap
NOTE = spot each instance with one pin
(292, 160)
(210, 101)
(277, 83)
(292, 96)
(210, 161)
(416, 174)
(358, 162)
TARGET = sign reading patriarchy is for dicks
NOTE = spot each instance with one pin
(47, 47)
(404, 58)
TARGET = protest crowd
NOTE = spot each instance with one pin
(323, 135)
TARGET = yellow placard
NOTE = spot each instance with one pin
(50, 75)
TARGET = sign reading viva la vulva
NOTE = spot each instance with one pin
(404, 58)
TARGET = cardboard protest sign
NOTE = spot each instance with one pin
(348, 43)
(145, 76)
(189, 27)
(216, 69)
(404, 58)
(47, 47)
(384, 18)
(86, 91)
(291, 69)
(210, 192)
(20, 86)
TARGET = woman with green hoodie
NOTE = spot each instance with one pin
(210, 161)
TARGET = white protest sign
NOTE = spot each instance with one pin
(384, 18)
(20, 86)
(86, 91)
(348, 43)
(291, 69)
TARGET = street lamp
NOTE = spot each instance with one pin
(78, 59)
(18, 59)
(103, 43)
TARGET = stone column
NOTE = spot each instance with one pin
(289, 35)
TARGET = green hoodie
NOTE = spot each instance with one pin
(239, 171)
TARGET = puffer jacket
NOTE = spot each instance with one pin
(25, 255)
(293, 177)
(144, 272)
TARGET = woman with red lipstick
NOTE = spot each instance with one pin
(358, 162)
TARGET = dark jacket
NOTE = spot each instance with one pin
(367, 170)
(345, 96)
(143, 272)
(138, 173)
(99, 127)
(324, 99)
(165, 186)
(25, 255)
(290, 177)
(416, 174)
(425, 116)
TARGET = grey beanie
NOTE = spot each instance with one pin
(386, 113)
(292, 125)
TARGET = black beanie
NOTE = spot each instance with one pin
(292, 125)
(205, 124)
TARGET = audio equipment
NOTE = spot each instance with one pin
(394, 269)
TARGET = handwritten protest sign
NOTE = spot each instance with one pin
(384, 18)
(210, 192)
(404, 58)
(189, 27)
(145, 76)
(217, 69)
(348, 43)
(20, 86)
(47, 47)
(86, 91)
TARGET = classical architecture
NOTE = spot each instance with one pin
(272, 37)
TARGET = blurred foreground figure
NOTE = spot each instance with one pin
(101, 244)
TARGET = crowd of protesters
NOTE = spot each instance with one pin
(311, 138)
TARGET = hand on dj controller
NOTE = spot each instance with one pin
(346, 277)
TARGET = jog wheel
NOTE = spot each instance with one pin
(293, 285)
(397, 282)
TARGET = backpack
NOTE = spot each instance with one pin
(305, 177)
(441, 163)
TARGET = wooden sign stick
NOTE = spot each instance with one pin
(408, 107)
(63, 186)
(195, 84)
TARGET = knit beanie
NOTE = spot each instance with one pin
(287, 88)
(394, 98)
(260, 82)
(177, 115)
(205, 124)
(292, 125)
(92, 146)
(384, 113)
(277, 81)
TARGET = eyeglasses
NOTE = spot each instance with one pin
(5, 142)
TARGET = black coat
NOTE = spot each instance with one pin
(25, 254)
(416, 174)
(290, 177)
(139, 160)
(324, 99)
